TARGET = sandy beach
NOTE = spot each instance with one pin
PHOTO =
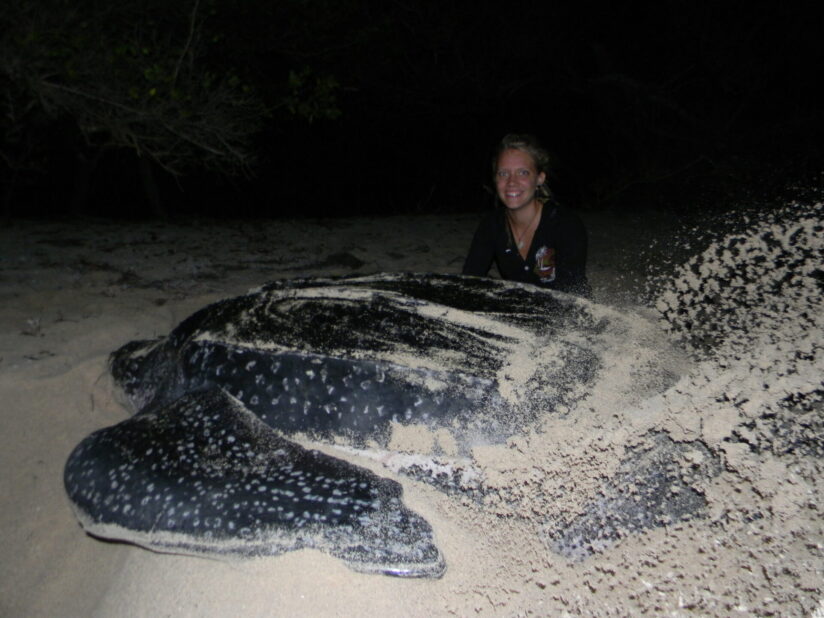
(73, 291)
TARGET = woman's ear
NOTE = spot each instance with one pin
(541, 178)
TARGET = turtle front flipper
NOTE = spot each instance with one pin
(205, 476)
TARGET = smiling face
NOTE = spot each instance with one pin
(517, 179)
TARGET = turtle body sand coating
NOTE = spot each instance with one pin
(349, 356)
(205, 466)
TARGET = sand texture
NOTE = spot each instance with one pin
(717, 374)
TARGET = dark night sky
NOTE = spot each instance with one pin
(665, 104)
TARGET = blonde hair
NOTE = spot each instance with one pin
(529, 144)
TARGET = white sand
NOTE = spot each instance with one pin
(70, 293)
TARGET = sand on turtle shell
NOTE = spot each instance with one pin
(67, 305)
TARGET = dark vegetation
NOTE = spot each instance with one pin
(244, 108)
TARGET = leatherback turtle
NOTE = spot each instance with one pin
(206, 464)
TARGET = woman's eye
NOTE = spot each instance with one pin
(523, 172)
(503, 174)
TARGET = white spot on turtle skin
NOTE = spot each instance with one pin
(225, 495)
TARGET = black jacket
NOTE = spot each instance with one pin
(557, 256)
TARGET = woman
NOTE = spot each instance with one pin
(532, 238)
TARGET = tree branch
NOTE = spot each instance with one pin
(188, 44)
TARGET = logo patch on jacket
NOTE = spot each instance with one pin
(545, 264)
